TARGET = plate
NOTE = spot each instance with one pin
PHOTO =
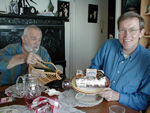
(9, 110)
(84, 90)
(88, 98)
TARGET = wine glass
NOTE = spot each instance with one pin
(66, 84)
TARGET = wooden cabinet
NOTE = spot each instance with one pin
(145, 13)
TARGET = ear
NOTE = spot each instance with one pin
(23, 39)
(142, 33)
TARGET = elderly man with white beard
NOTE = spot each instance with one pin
(14, 58)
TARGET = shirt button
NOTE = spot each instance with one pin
(118, 72)
(122, 62)
(114, 81)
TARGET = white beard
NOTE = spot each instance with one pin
(27, 48)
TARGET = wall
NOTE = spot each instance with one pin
(118, 13)
(82, 39)
(86, 37)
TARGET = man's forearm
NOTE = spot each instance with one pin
(16, 60)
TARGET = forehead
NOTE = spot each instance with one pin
(35, 32)
(129, 23)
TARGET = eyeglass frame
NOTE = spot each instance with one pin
(131, 31)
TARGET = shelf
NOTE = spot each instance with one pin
(148, 47)
(147, 36)
(147, 14)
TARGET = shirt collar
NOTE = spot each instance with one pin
(19, 50)
(133, 54)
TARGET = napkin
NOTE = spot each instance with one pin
(52, 92)
(43, 104)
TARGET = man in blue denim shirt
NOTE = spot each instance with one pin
(126, 63)
(14, 58)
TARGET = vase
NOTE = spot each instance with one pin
(50, 7)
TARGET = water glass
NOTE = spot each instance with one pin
(30, 87)
(32, 90)
(116, 109)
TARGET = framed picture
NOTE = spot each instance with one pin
(130, 5)
(92, 13)
(63, 9)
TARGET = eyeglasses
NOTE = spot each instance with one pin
(130, 31)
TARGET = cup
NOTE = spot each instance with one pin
(116, 109)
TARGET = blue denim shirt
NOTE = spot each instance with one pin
(128, 76)
(9, 76)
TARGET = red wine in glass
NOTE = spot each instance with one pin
(29, 100)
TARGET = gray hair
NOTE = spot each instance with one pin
(27, 29)
(129, 15)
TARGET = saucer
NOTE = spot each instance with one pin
(88, 98)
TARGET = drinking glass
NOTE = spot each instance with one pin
(32, 90)
(116, 109)
(30, 87)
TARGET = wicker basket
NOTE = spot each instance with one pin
(44, 77)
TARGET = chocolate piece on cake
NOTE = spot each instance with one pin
(100, 74)
(79, 76)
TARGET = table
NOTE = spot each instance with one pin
(100, 108)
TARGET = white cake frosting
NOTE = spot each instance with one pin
(91, 82)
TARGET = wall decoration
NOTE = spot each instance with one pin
(130, 5)
(92, 13)
(63, 9)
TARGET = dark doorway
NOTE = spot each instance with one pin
(111, 18)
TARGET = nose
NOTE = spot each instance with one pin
(37, 42)
(127, 33)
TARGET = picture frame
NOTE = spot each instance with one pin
(130, 5)
(92, 13)
(63, 9)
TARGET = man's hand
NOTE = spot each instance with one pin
(29, 58)
(32, 58)
(109, 94)
(16, 60)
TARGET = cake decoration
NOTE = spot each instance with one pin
(91, 72)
